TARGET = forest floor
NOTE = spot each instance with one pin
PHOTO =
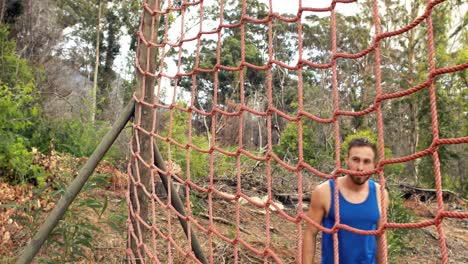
(420, 245)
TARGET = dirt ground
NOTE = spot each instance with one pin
(422, 244)
(283, 233)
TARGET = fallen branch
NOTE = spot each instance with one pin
(428, 194)
(289, 199)
(223, 221)
(429, 233)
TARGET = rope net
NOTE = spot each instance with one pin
(172, 57)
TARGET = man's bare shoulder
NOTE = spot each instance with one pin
(377, 186)
(386, 195)
(320, 186)
(321, 189)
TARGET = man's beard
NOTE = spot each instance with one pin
(359, 180)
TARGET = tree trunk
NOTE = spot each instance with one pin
(259, 121)
(205, 124)
(2, 10)
(367, 71)
(413, 105)
(414, 138)
(96, 65)
(143, 143)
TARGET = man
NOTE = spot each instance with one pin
(359, 201)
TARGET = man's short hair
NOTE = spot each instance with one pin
(362, 142)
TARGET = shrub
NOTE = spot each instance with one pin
(78, 138)
(199, 162)
(397, 239)
(19, 113)
(75, 232)
(392, 170)
(316, 151)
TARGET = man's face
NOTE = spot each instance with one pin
(360, 159)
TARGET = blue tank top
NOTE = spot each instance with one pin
(353, 248)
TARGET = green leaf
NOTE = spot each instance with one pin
(104, 207)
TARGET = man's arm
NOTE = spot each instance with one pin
(379, 243)
(316, 213)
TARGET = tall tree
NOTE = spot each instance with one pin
(404, 64)
(96, 64)
(97, 26)
(230, 81)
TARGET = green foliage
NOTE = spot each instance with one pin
(229, 81)
(131, 19)
(231, 231)
(315, 151)
(19, 113)
(128, 88)
(77, 138)
(224, 164)
(16, 159)
(14, 71)
(450, 124)
(410, 57)
(397, 239)
(389, 170)
(179, 132)
(371, 136)
(198, 203)
(198, 162)
(117, 220)
(76, 231)
(455, 182)
(451, 103)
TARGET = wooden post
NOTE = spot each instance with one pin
(31, 249)
(147, 56)
(178, 205)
